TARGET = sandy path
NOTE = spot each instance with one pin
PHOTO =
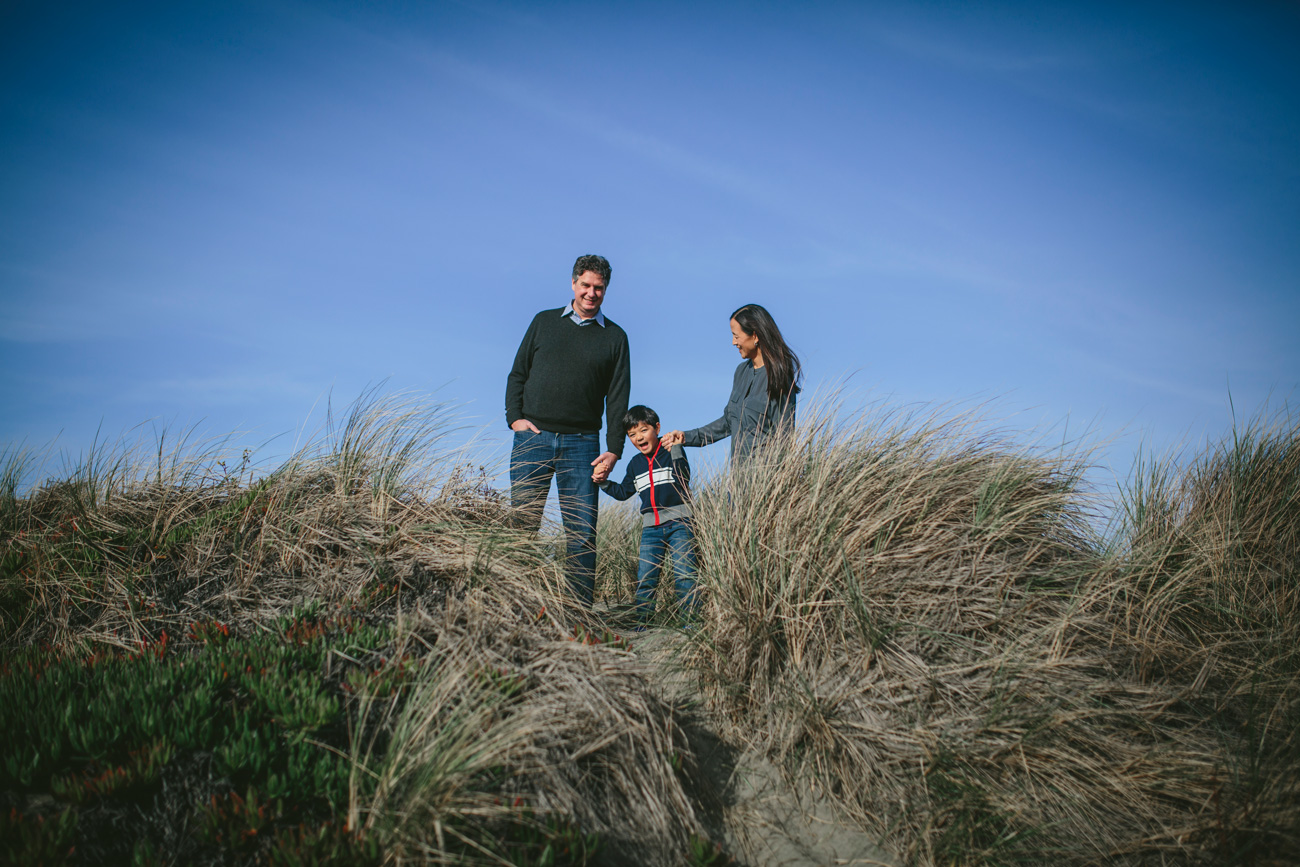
(744, 800)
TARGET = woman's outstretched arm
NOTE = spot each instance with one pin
(710, 433)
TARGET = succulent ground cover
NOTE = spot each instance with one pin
(243, 739)
(353, 658)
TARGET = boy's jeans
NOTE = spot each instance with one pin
(534, 458)
(677, 537)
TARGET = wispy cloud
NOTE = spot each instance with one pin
(1041, 64)
(229, 389)
(665, 154)
(1148, 381)
(530, 97)
(964, 55)
(1120, 70)
(53, 305)
(505, 13)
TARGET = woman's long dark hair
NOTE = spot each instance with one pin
(783, 369)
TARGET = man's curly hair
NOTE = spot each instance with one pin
(594, 263)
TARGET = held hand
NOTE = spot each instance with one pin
(524, 425)
(602, 466)
(672, 438)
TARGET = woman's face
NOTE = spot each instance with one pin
(746, 343)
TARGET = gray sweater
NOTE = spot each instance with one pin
(749, 417)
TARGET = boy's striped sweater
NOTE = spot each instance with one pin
(662, 479)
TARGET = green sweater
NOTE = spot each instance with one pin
(564, 375)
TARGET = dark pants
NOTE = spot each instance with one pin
(534, 459)
(674, 538)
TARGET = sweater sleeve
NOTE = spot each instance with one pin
(710, 433)
(620, 387)
(681, 471)
(519, 375)
(719, 428)
(621, 490)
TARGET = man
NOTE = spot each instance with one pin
(572, 363)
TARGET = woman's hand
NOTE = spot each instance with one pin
(672, 438)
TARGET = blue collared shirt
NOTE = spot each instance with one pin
(568, 311)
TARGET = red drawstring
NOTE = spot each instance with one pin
(654, 508)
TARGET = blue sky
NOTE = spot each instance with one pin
(220, 214)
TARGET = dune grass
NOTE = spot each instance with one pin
(618, 541)
(354, 658)
(916, 616)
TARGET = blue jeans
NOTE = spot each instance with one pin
(677, 539)
(534, 459)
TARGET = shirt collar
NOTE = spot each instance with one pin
(568, 311)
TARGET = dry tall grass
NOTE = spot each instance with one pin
(618, 542)
(506, 709)
(916, 616)
(1206, 594)
(910, 614)
(133, 539)
(368, 517)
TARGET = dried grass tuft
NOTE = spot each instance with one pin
(514, 732)
(916, 616)
(576, 733)
(911, 614)
(122, 547)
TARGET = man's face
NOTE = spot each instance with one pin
(588, 293)
(645, 437)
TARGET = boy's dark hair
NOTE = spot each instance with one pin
(637, 414)
(592, 262)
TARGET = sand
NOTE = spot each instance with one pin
(745, 802)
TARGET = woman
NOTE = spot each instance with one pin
(762, 391)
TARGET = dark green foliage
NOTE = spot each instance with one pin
(526, 840)
(104, 730)
(101, 730)
(704, 853)
(97, 780)
(247, 826)
(37, 840)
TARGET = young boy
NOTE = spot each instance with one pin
(662, 477)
